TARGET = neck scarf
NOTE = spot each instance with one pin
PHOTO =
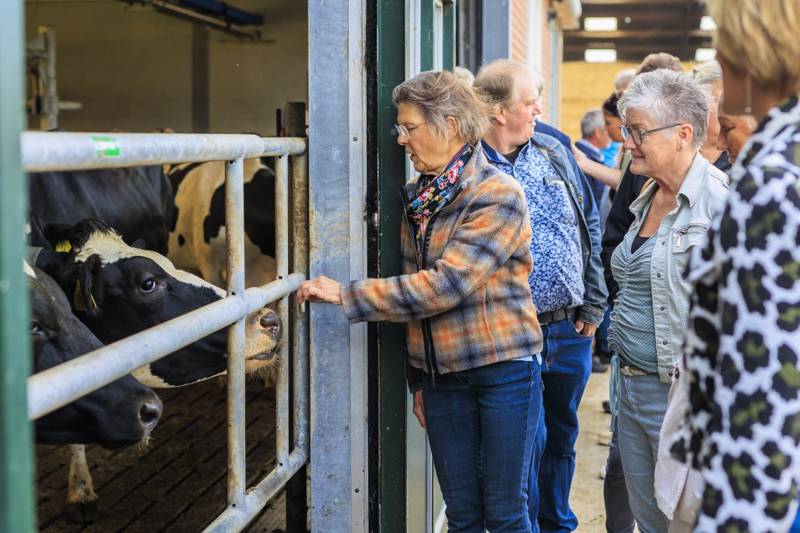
(433, 193)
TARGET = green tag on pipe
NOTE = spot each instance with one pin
(106, 146)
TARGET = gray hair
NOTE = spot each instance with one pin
(498, 80)
(668, 97)
(623, 79)
(592, 120)
(707, 73)
(439, 94)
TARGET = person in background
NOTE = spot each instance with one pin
(594, 137)
(464, 75)
(659, 60)
(742, 355)
(472, 333)
(709, 76)
(622, 80)
(566, 283)
(665, 116)
(733, 133)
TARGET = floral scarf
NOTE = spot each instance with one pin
(433, 193)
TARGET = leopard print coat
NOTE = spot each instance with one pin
(743, 344)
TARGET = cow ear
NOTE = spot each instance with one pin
(49, 261)
(85, 297)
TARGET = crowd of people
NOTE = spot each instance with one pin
(665, 240)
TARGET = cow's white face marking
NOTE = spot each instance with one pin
(28, 270)
(110, 247)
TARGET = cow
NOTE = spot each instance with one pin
(118, 290)
(176, 210)
(197, 233)
(120, 414)
(137, 202)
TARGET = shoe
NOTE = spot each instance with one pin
(598, 366)
(607, 407)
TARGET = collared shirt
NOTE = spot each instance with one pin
(684, 228)
(557, 278)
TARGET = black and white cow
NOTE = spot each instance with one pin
(116, 415)
(119, 290)
(197, 236)
(137, 202)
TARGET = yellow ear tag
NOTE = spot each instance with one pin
(63, 247)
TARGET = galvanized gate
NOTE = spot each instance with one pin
(58, 386)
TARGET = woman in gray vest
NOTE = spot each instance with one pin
(665, 117)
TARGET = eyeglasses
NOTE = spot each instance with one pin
(405, 131)
(638, 135)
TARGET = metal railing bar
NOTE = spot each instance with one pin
(55, 387)
(236, 518)
(46, 151)
(300, 355)
(234, 241)
(282, 270)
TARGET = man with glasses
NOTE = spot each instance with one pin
(566, 282)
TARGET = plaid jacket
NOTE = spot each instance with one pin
(470, 304)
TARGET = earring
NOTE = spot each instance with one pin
(748, 97)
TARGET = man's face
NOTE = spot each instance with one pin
(520, 115)
(601, 139)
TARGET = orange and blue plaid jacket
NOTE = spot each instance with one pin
(469, 304)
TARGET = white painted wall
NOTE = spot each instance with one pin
(131, 67)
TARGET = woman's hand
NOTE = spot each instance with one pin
(321, 289)
(419, 408)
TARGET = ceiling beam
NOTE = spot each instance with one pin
(636, 34)
(636, 2)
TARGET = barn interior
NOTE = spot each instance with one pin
(134, 67)
(137, 67)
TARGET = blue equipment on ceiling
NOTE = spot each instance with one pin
(229, 13)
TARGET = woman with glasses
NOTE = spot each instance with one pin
(472, 333)
(664, 117)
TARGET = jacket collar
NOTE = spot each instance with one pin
(690, 191)
(469, 175)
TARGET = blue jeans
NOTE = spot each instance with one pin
(642, 405)
(481, 426)
(601, 337)
(566, 369)
(619, 517)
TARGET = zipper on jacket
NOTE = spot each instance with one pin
(426, 323)
(427, 337)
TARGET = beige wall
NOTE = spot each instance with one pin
(585, 86)
(131, 67)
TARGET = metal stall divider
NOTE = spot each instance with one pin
(55, 387)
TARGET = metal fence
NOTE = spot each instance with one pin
(56, 387)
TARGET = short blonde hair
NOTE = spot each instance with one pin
(761, 38)
(497, 80)
(439, 94)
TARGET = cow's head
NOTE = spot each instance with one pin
(119, 290)
(121, 413)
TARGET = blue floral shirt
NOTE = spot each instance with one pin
(557, 277)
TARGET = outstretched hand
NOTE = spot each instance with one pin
(320, 289)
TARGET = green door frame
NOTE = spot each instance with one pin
(17, 508)
(392, 345)
(390, 71)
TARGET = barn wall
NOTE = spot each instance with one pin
(132, 67)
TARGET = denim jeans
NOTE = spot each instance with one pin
(566, 367)
(481, 426)
(619, 517)
(642, 405)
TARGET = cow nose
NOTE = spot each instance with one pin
(150, 412)
(272, 325)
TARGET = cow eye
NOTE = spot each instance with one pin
(148, 285)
